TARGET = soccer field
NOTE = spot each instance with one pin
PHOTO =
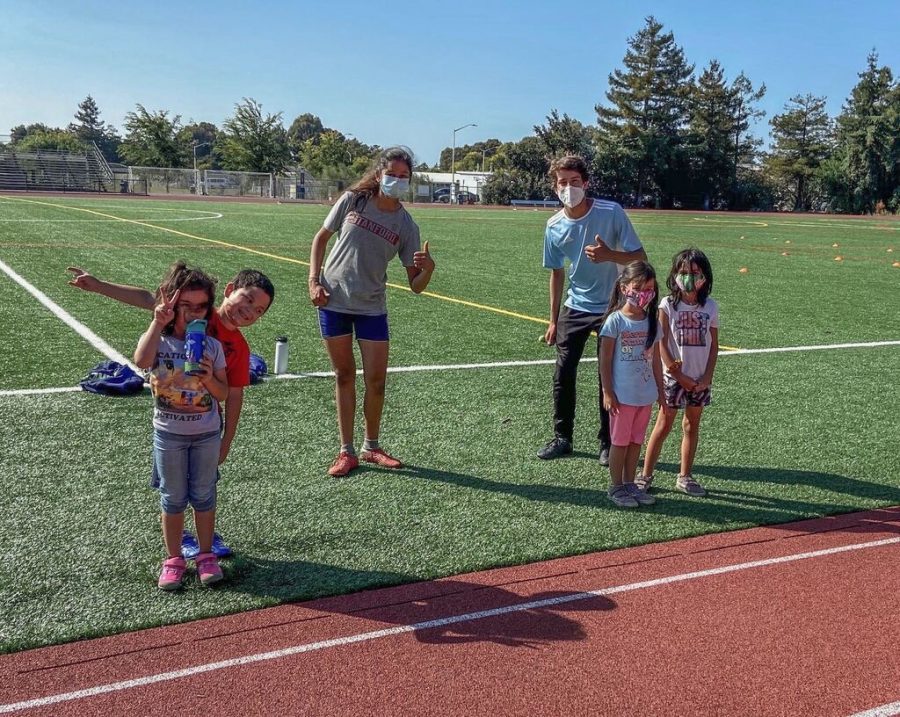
(790, 434)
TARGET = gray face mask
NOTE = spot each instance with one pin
(394, 186)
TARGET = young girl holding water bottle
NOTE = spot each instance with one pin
(186, 421)
(690, 348)
(631, 376)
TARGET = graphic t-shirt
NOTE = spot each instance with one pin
(182, 404)
(355, 273)
(590, 284)
(689, 339)
(632, 364)
(237, 351)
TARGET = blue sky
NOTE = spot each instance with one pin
(409, 72)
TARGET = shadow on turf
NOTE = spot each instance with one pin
(724, 507)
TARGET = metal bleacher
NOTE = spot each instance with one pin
(55, 170)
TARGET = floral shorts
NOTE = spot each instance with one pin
(677, 396)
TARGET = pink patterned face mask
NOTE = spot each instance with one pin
(641, 299)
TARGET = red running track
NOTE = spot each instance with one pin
(797, 619)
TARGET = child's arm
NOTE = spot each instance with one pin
(669, 361)
(658, 375)
(215, 380)
(610, 401)
(706, 379)
(131, 295)
(233, 405)
(148, 344)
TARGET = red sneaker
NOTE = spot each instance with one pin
(343, 464)
(380, 458)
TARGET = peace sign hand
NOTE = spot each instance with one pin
(598, 251)
(164, 313)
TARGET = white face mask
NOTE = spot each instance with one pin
(571, 196)
(394, 186)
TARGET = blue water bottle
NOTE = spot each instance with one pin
(194, 343)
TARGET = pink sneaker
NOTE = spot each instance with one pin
(343, 464)
(172, 572)
(208, 568)
(380, 457)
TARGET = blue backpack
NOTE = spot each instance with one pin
(258, 368)
(113, 379)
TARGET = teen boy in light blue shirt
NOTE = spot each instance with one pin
(595, 238)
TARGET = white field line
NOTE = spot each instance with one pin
(884, 711)
(495, 364)
(214, 215)
(68, 319)
(428, 625)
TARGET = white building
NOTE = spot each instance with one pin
(471, 182)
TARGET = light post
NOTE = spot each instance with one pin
(453, 162)
(196, 173)
(483, 152)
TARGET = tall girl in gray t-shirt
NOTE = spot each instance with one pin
(349, 292)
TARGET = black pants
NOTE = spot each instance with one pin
(572, 332)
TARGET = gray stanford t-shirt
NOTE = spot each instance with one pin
(355, 272)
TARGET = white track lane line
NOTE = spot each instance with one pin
(68, 319)
(427, 625)
(884, 711)
(495, 364)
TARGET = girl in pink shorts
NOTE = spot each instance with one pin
(631, 376)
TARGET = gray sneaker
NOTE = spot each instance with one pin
(687, 484)
(639, 495)
(604, 455)
(618, 494)
(643, 482)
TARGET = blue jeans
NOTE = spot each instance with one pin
(187, 467)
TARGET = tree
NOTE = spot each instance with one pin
(565, 135)
(252, 142)
(802, 138)
(868, 135)
(710, 136)
(55, 139)
(152, 139)
(20, 132)
(745, 112)
(203, 136)
(88, 127)
(304, 127)
(648, 107)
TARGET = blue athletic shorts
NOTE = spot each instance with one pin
(368, 328)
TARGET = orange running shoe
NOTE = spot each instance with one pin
(343, 464)
(380, 458)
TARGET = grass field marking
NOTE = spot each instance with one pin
(890, 710)
(469, 366)
(431, 624)
(68, 319)
(278, 257)
(816, 225)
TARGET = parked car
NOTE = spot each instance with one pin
(442, 195)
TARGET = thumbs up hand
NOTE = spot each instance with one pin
(422, 259)
(598, 251)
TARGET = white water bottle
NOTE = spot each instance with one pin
(281, 354)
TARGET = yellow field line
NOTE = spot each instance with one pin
(291, 260)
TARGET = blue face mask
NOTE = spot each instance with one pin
(394, 186)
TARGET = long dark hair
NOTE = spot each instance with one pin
(369, 185)
(685, 259)
(180, 278)
(642, 272)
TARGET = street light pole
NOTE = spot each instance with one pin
(196, 174)
(453, 162)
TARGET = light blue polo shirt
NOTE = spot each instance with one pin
(590, 284)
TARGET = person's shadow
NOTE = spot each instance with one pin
(448, 611)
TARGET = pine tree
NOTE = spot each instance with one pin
(710, 138)
(648, 108)
(802, 141)
(88, 127)
(868, 136)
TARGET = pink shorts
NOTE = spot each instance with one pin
(630, 426)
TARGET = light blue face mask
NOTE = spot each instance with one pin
(394, 186)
